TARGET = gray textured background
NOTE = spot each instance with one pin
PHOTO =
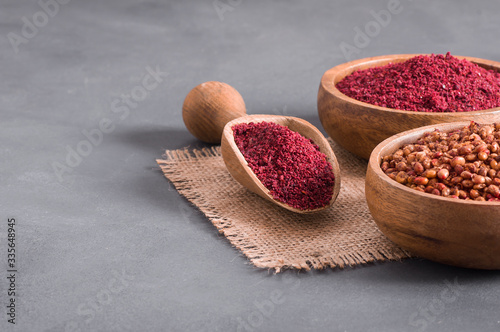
(108, 245)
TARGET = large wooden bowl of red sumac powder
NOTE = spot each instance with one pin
(363, 102)
(437, 193)
(283, 159)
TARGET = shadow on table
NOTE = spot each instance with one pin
(415, 271)
(151, 142)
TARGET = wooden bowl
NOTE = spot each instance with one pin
(359, 127)
(241, 172)
(446, 230)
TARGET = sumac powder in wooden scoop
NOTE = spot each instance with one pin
(283, 159)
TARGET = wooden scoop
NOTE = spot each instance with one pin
(241, 172)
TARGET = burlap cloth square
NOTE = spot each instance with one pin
(272, 237)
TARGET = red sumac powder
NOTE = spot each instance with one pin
(288, 164)
(435, 83)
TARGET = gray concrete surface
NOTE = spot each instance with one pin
(91, 94)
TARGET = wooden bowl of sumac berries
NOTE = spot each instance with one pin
(435, 191)
(363, 102)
